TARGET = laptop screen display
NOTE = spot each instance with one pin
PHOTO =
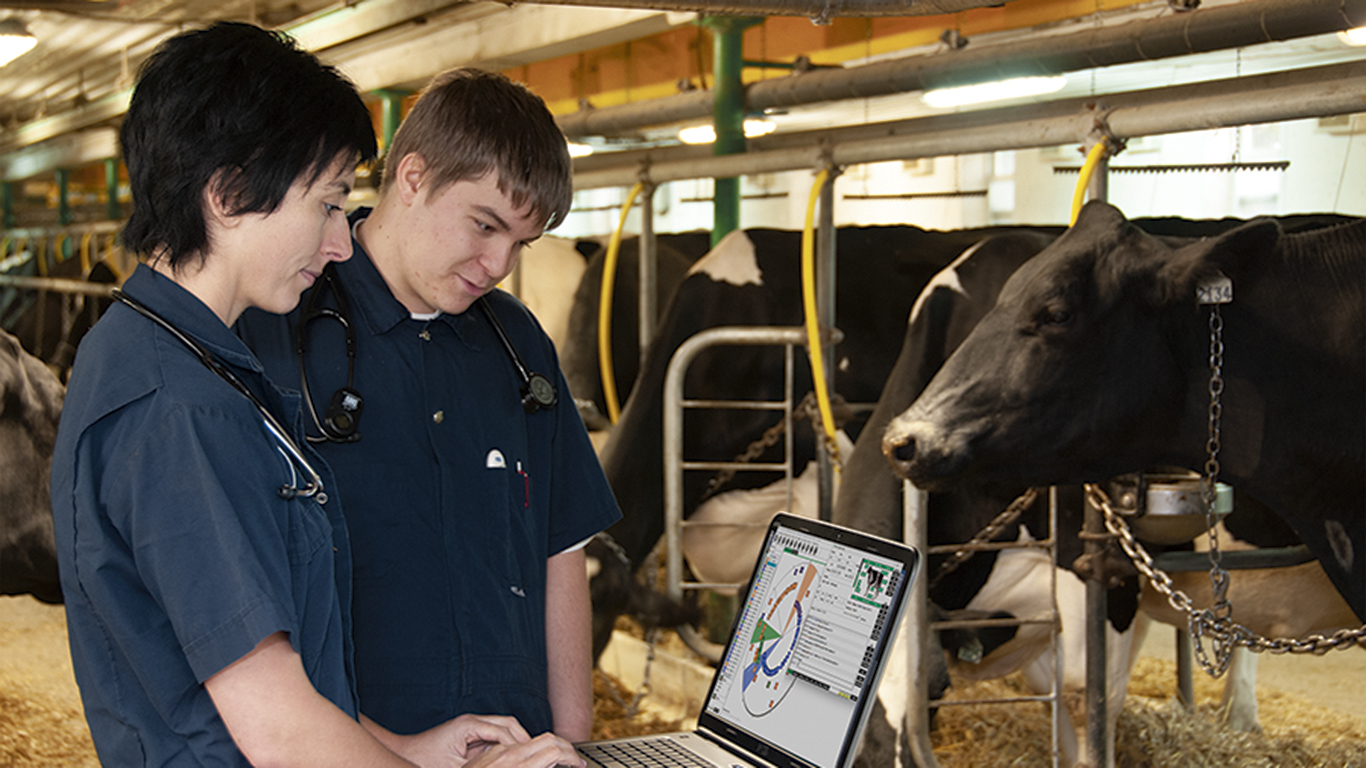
(803, 651)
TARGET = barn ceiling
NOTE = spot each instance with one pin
(63, 99)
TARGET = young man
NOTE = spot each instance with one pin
(205, 570)
(466, 505)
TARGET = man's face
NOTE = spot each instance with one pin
(458, 244)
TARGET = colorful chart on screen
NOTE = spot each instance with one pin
(766, 680)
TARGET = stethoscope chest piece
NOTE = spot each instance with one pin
(538, 393)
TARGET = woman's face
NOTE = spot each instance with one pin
(284, 251)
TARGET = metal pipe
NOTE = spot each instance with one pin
(1207, 29)
(673, 449)
(57, 285)
(728, 116)
(63, 200)
(916, 626)
(647, 258)
(673, 428)
(819, 11)
(1298, 94)
(825, 318)
(391, 100)
(111, 188)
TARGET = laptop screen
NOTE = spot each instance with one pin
(805, 653)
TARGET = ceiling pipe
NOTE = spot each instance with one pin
(1274, 97)
(1200, 31)
(819, 11)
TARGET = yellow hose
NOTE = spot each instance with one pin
(813, 336)
(85, 253)
(1093, 159)
(609, 276)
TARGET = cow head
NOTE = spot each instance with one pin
(1080, 371)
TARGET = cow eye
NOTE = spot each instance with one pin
(1055, 316)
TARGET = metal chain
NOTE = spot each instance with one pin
(807, 408)
(1215, 623)
(987, 533)
(1221, 630)
(1221, 609)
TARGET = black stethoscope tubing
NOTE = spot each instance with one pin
(537, 391)
(314, 486)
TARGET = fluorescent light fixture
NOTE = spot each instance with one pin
(1002, 89)
(705, 134)
(579, 150)
(697, 134)
(15, 40)
(1355, 36)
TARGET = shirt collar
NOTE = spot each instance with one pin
(193, 317)
(373, 302)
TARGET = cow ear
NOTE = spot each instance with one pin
(1098, 214)
(1231, 253)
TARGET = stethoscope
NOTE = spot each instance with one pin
(342, 419)
(314, 487)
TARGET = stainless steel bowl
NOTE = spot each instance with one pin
(1175, 513)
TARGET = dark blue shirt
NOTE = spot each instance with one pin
(455, 497)
(177, 554)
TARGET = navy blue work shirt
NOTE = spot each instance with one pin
(177, 554)
(455, 497)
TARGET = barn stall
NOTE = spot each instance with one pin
(883, 160)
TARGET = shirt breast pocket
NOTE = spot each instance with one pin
(310, 533)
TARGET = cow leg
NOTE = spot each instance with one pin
(1238, 709)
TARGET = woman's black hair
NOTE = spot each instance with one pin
(239, 108)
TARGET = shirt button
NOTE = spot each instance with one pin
(439, 416)
(425, 335)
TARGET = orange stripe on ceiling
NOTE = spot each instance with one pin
(652, 67)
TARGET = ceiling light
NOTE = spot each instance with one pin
(705, 134)
(1003, 89)
(579, 150)
(1353, 36)
(697, 134)
(755, 128)
(15, 40)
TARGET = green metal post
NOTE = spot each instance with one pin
(728, 114)
(392, 101)
(111, 186)
(63, 204)
(7, 200)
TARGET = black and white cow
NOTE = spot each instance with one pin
(1096, 361)
(674, 254)
(32, 403)
(752, 278)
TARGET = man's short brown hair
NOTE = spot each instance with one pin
(468, 122)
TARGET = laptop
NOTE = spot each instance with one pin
(800, 671)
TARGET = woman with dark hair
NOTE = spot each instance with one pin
(206, 571)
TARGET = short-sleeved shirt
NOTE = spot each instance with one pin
(177, 553)
(454, 495)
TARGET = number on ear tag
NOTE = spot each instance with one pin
(1215, 290)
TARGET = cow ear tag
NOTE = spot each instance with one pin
(1217, 289)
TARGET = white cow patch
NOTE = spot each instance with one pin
(726, 555)
(550, 270)
(944, 278)
(731, 261)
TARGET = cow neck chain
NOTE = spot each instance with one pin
(806, 408)
(1215, 623)
(985, 535)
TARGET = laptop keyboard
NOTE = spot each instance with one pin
(652, 753)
